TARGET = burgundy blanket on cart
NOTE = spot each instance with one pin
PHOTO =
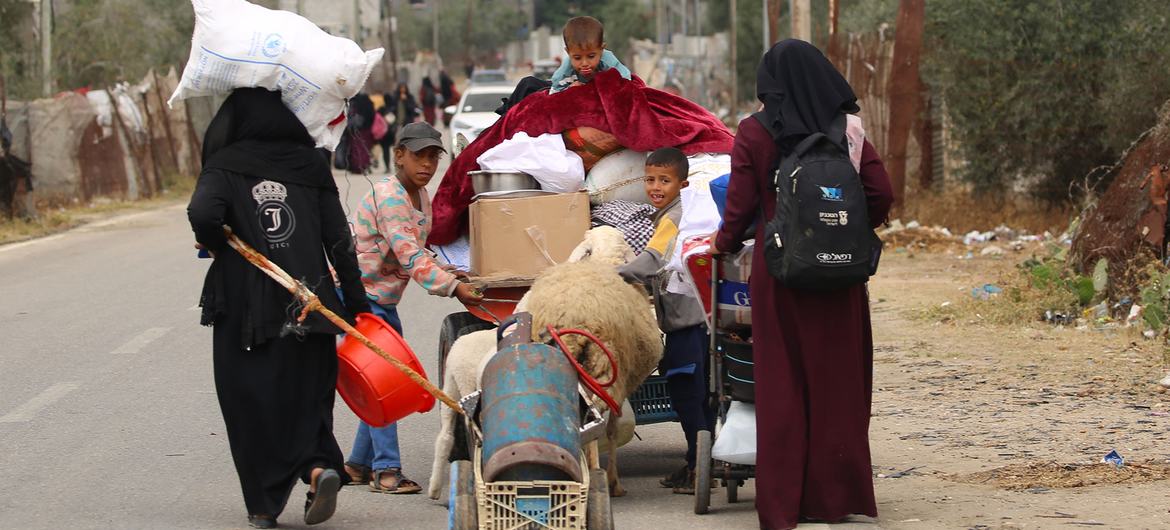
(642, 119)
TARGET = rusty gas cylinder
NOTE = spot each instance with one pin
(530, 416)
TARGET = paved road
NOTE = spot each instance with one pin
(108, 416)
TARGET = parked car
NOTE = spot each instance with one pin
(475, 112)
(488, 77)
(545, 68)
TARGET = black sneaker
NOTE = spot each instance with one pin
(676, 479)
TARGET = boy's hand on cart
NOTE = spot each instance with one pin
(468, 294)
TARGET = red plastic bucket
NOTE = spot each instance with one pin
(373, 388)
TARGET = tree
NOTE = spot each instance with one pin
(1046, 90)
(905, 91)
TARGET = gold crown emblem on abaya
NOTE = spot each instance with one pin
(269, 191)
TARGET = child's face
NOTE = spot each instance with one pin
(417, 168)
(585, 58)
(662, 185)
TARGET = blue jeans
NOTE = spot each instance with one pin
(377, 447)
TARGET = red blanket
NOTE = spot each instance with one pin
(642, 119)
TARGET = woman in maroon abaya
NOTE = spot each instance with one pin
(813, 349)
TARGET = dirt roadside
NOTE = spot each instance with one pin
(958, 398)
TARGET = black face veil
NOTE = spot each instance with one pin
(254, 133)
(801, 91)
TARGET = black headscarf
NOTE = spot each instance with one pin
(361, 111)
(801, 91)
(255, 134)
(446, 84)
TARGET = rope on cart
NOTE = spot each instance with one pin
(311, 302)
(595, 386)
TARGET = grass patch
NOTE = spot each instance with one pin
(1035, 287)
(55, 220)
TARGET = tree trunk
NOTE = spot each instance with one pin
(905, 91)
(834, 51)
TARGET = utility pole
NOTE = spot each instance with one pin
(661, 23)
(734, 67)
(47, 48)
(801, 12)
(435, 29)
(768, 28)
(355, 32)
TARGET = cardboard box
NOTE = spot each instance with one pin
(519, 237)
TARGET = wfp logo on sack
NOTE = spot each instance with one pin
(273, 46)
(831, 194)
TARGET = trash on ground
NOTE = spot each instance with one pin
(986, 292)
(1113, 458)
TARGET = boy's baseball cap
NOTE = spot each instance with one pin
(420, 135)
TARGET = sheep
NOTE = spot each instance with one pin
(604, 247)
(592, 296)
(464, 363)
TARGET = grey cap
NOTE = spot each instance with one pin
(420, 135)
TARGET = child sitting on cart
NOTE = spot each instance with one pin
(391, 228)
(681, 318)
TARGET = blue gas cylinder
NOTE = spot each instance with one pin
(530, 416)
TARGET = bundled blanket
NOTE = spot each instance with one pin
(642, 119)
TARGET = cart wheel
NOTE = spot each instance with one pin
(454, 326)
(598, 511)
(703, 473)
(461, 508)
(732, 491)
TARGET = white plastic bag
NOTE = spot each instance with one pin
(736, 443)
(543, 157)
(240, 45)
(700, 216)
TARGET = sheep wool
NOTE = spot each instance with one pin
(592, 296)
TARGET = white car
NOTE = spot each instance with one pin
(476, 111)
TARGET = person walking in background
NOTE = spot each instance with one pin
(427, 96)
(360, 130)
(274, 377)
(813, 349)
(403, 109)
(450, 94)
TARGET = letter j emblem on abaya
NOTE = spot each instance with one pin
(276, 219)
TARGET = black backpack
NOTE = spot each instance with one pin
(820, 237)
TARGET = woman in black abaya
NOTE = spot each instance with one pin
(274, 378)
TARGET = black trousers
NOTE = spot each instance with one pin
(277, 403)
(684, 361)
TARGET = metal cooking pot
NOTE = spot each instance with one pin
(488, 180)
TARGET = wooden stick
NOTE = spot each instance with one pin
(313, 304)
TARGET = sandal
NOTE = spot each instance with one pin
(319, 506)
(688, 485)
(363, 474)
(676, 479)
(401, 483)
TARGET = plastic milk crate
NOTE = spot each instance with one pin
(651, 403)
(538, 504)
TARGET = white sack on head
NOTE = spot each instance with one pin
(241, 45)
(543, 157)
